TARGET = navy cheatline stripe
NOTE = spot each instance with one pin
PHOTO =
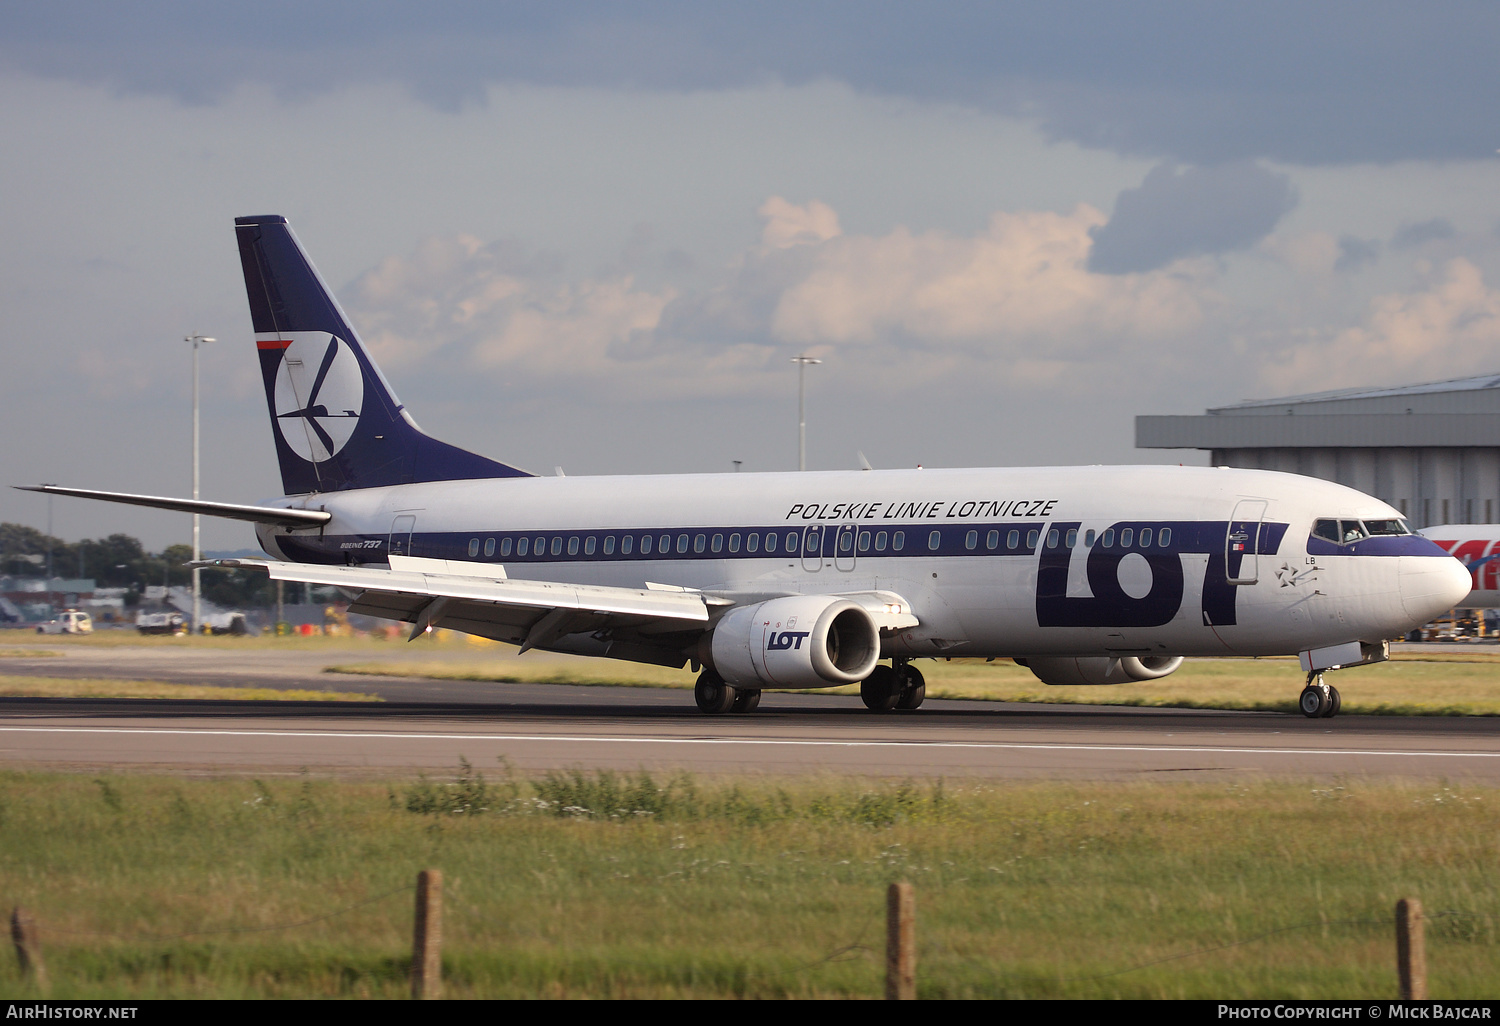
(1020, 538)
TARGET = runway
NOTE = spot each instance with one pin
(429, 725)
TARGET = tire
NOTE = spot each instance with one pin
(913, 688)
(881, 690)
(746, 699)
(712, 694)
(1312, 702)
(1334, 703)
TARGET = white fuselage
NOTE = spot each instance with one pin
(1233, 575)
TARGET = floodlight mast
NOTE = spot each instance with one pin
(802, 362)
(196, 340)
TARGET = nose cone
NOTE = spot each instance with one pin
(1431, 585)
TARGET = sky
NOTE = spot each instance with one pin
(593, 235)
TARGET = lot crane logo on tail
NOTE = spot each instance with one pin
(319, 393)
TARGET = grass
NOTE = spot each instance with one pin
(624, 885)
(1442, 684)
(27, 653)
(66, 687)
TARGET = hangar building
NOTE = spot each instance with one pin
(1432, 451)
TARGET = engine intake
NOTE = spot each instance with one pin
(802, 641)
(1099, 669)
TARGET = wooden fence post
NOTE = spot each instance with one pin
(1411, 950)
(900, 943)
(28, 947)
(427, 937)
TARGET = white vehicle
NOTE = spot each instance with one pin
(69, 621)
(160, 623)
(1087, 575)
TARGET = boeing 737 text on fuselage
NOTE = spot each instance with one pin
(1087, 575)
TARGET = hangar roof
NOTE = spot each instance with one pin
(1460, 412)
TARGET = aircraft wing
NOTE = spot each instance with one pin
(278, 515)
(643, 625)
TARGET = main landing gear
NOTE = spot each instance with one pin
(1319, 700)
(900, 686)
(714, 696)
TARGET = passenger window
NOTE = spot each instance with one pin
(682, 543)
(1126, 537)
(934, 540)
(522, 545)
(1071, 539)
(811, 544)
(699, 543)
(504, 546)
(864, 541)
(645, 544)
(1052, 538)
(898, 541)
(1013, 540)
(473, 547)
(717, 544)
(1088, 539)
(1165, 538)
(971, 540)
(1328, 530)
(846, 541)
(734, 543)
(489, 547)
(752, 542)
(1031, 537)
(557, 545)
(1108, 540)
(880, 541)
(627, 542)
(992, 540)
(609, 545)
(791, 542)
(1145, 537)
(573, 545)
(1352, 531)
(664, 544)
(588, 545)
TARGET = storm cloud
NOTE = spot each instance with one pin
(1184, 213)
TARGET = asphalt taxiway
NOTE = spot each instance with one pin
(428, 725)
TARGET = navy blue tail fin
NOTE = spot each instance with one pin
(336, 422)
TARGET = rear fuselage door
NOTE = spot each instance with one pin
(1242, 542)
(401, 532)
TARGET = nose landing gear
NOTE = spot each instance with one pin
(1319, 700)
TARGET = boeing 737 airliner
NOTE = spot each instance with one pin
(1086, 575)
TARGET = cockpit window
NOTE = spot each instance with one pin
(1386, 527)
(1328, 530)
(1352, 531)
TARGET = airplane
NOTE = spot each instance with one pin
(804, 580)
(1477, 546)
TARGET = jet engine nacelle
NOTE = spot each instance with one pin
(802, 641)
(1099, 669)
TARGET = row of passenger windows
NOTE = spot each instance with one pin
(770, 541)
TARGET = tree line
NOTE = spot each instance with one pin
(120, 561)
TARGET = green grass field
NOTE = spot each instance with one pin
(619, 886)
(70, 687)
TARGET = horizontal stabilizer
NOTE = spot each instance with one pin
(230, 510)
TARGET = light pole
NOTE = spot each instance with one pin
(802, 362)
(196, 340)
